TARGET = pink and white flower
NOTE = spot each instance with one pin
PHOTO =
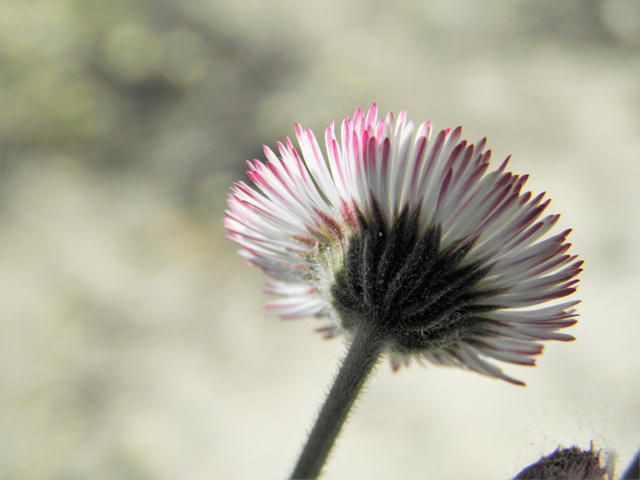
(452, 262)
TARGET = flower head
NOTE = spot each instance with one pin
(570, 463)
(450, 262)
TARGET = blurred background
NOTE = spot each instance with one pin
(134, 343)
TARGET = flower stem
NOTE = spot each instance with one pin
(362, 357)
(633, 471)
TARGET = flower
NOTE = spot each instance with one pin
(451, 263)
(571, 463)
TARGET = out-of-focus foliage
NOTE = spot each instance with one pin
(152, 85)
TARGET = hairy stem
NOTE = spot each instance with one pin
(362, 357)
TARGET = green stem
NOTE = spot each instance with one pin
(362, 357)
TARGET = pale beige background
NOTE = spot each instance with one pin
(134, 343)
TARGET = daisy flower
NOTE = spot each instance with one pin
(409, 246)
(410, 233)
